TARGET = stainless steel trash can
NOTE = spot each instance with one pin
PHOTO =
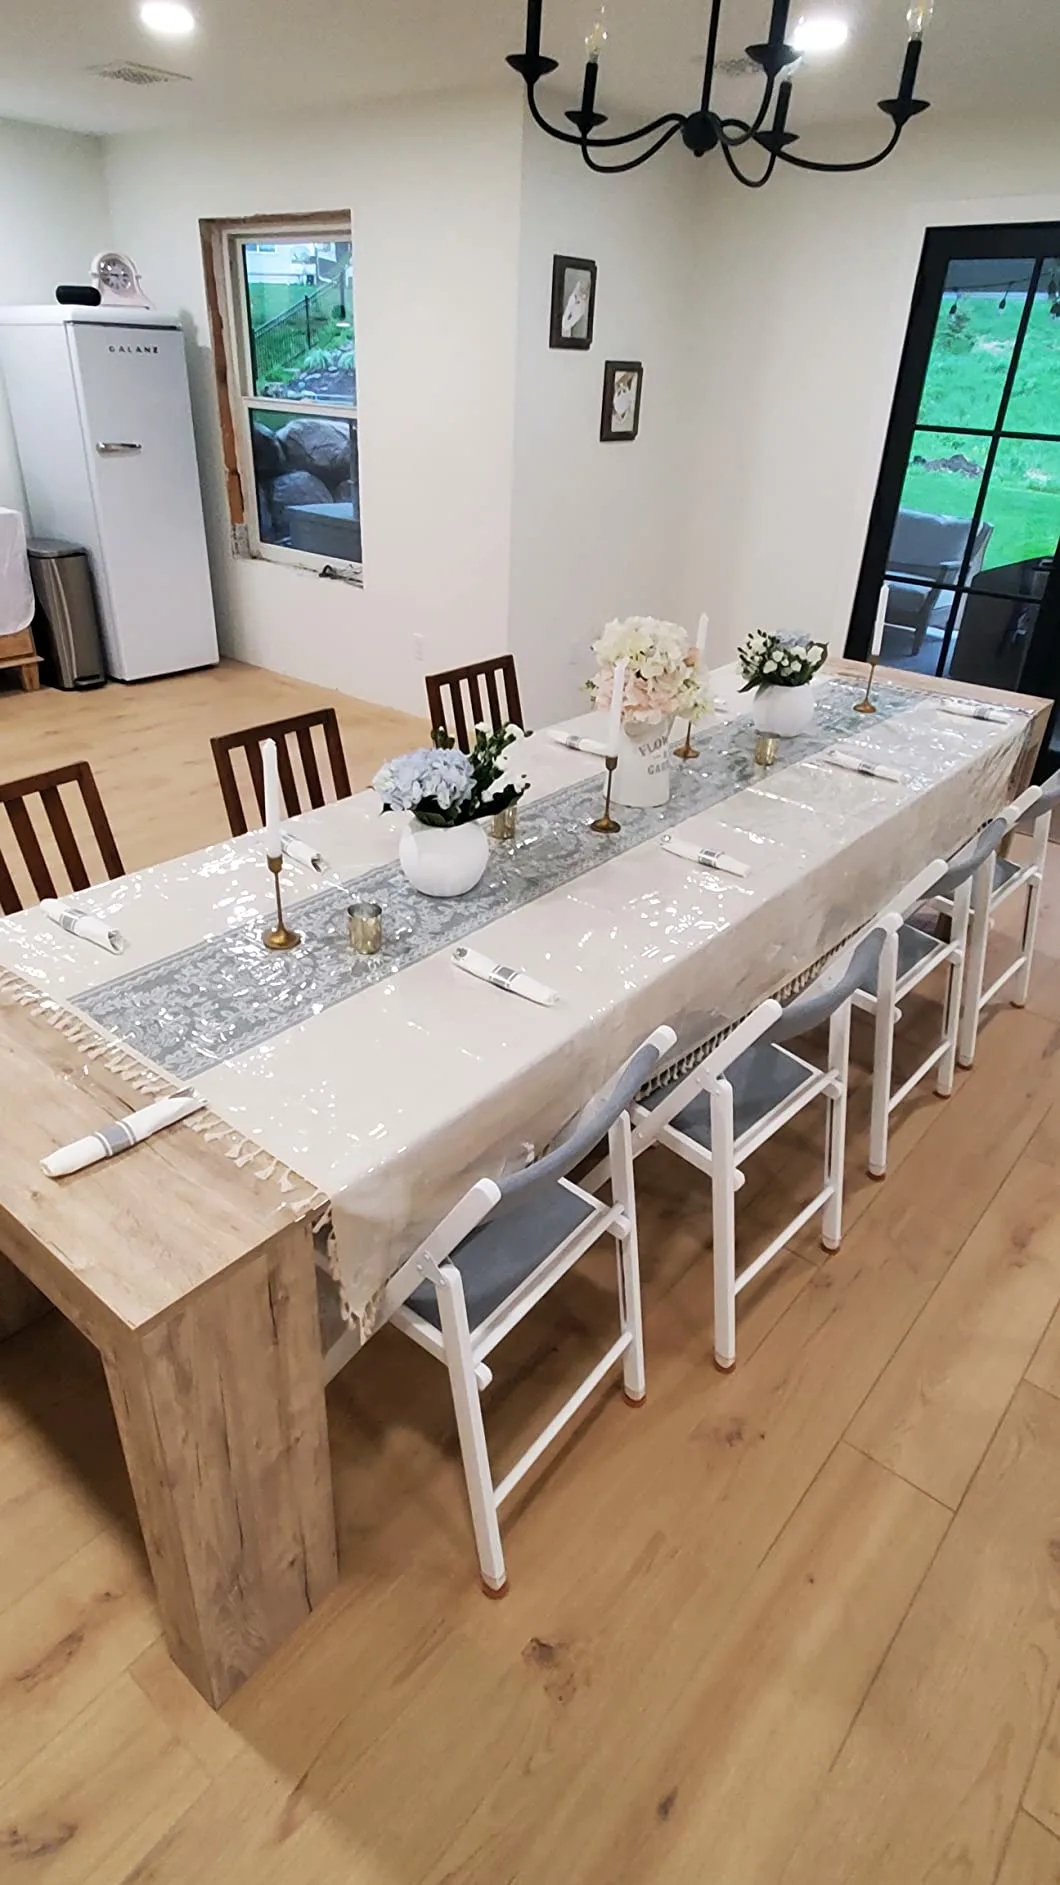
(66, 626)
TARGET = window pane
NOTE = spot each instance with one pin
(974, 337)
(305, 471)
(1021, 516)
(1035, 402)
(299, 299)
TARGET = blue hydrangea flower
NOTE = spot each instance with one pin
(428, 773)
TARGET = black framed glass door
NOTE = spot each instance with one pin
(965, 526)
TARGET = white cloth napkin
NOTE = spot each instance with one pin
(577, 742)
(975, 710)
(715, 860)
(120, 1135)
(512, 979)
(301, 853)
(81, 923)
(872, 768)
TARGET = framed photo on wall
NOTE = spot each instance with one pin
(620, 418)
(573, 302)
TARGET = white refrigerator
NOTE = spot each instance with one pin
(101, 413)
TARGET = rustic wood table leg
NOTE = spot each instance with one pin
(20, 1301)
(221, 1410)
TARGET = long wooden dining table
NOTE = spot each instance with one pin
(349, 1100)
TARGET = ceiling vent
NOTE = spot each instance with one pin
(739, 68)
(127, 73)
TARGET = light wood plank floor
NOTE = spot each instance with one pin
(800, 1626)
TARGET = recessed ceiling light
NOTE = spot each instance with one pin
(820, 32)
(168, 18)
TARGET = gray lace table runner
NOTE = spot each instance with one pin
(219, 998)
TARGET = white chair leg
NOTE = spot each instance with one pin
(883, 1057)
(723, 1201)
(1022, 986)
(951, 1020)
(975, 963)
(634, 1384)
(460, 1362)
(836, 1127)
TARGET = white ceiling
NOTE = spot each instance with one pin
(254, 58)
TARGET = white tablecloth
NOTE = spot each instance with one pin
(394, 1100)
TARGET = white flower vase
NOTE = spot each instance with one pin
(642, 776)
(443, 861)
(783, 711)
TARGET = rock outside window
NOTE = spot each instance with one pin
(288, 329)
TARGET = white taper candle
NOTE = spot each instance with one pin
(701, 637)
(618, 691)
(881, 623)
(273, 833)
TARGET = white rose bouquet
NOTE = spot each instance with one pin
(663, 678)
(779, 660)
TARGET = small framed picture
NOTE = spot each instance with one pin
(573, 302)
(620, 418)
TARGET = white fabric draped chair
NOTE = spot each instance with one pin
(1030, 816)
(492, 1258)
(742, 1093)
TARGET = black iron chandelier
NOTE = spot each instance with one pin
(704, 129)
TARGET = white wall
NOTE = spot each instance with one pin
(53, 220)
(803, 303)
(434, 192)
(598, 529)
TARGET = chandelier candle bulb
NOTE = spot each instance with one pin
(918, 18)
(273, 831)
(533, 29)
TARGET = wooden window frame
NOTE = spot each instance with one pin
(229, 339)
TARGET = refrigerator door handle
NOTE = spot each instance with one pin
(108, 446)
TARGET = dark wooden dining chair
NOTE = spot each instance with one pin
(61, 843)
(299, 729)
(470, 681)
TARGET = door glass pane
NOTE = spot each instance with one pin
(305, 472)
(939, 495)
(975, 333)
(1035, 402)
(299, 299)
(991, 640)
(1021, 517)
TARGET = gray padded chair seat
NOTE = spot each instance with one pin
(914, 947)
(1004, 871)
(761, 1079)
(506, 1249)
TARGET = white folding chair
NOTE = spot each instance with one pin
(491, 1260)
(745, 1091)
(909, 956)
(1030, 816)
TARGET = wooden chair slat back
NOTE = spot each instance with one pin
(64, 852)
(454, 698)
(293, 737)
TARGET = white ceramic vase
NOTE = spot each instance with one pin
(443, 860)
(642, 776)
(784, 711)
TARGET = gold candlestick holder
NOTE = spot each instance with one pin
(281, 937)
(605, 822)
(686, 750)
(867, 705)
(765, 749)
